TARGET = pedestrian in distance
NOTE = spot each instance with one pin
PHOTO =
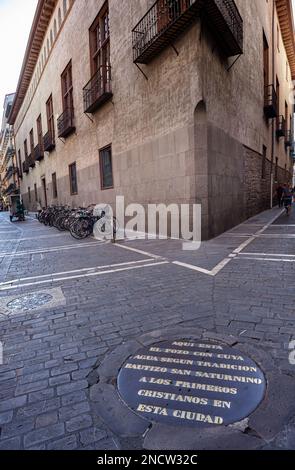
(287, 198)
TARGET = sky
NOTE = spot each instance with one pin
(16, 17)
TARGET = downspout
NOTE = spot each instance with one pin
(273, 121)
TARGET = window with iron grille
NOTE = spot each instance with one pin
(40, 132)
(100, 40)
(106, 168)
(29, 193)
(73, 178)
(50, 116)
(36, 192)
(67, 88)
(32, 141)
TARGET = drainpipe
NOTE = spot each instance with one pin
(273, 121)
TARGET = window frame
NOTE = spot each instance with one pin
(40, 131)
(54, 186)
(67, 87)
(99, 48)
(32, 143)
(73, 165)
(103, 149)
(26, 148)
(50, 117)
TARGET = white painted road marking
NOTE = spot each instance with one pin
(98, 273)
(52, 249)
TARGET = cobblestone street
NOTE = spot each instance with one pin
(97, 295)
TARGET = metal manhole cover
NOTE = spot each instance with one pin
(192, 383)
(29, 301)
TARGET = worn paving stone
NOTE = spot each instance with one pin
(67, 443)
(161, 437)
(79, 422)
(91, 435)
(118, 417)
(277, 409)
(45, 434)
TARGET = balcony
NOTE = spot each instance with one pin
(281, 127)
(270, 102)
(65, 123)
(98, 90)
(38, 152)
(26, 167)
(31, 160)
(48, 142)
(167, 19)
(226, 23)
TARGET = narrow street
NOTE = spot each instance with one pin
(93, 296)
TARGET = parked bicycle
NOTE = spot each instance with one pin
(80, 222)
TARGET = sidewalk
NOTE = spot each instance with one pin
(103, 295)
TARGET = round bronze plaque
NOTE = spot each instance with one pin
(196, 383)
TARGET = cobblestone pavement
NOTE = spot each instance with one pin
(241, 283)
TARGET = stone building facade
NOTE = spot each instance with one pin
(9, 178)
(173, 101)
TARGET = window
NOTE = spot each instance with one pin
(278, 95)
(32, 141)
(100, 41)
(40, 132)
(73, 178)
(265, 61)
(26, 148)
(67, 88)
(65, 7)
(20, 163)
(36, 192)
(29, 193)
(106, 168)
(50, 117)
(55, 29)
(263, 172)
(59, 18)
(54, 186)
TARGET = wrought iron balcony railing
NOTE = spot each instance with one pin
(270, 102)
(38, 152)
(98, 90)
(225, 21)
(65, 123)
(167, 19)
(48, 142)
(281, 127)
